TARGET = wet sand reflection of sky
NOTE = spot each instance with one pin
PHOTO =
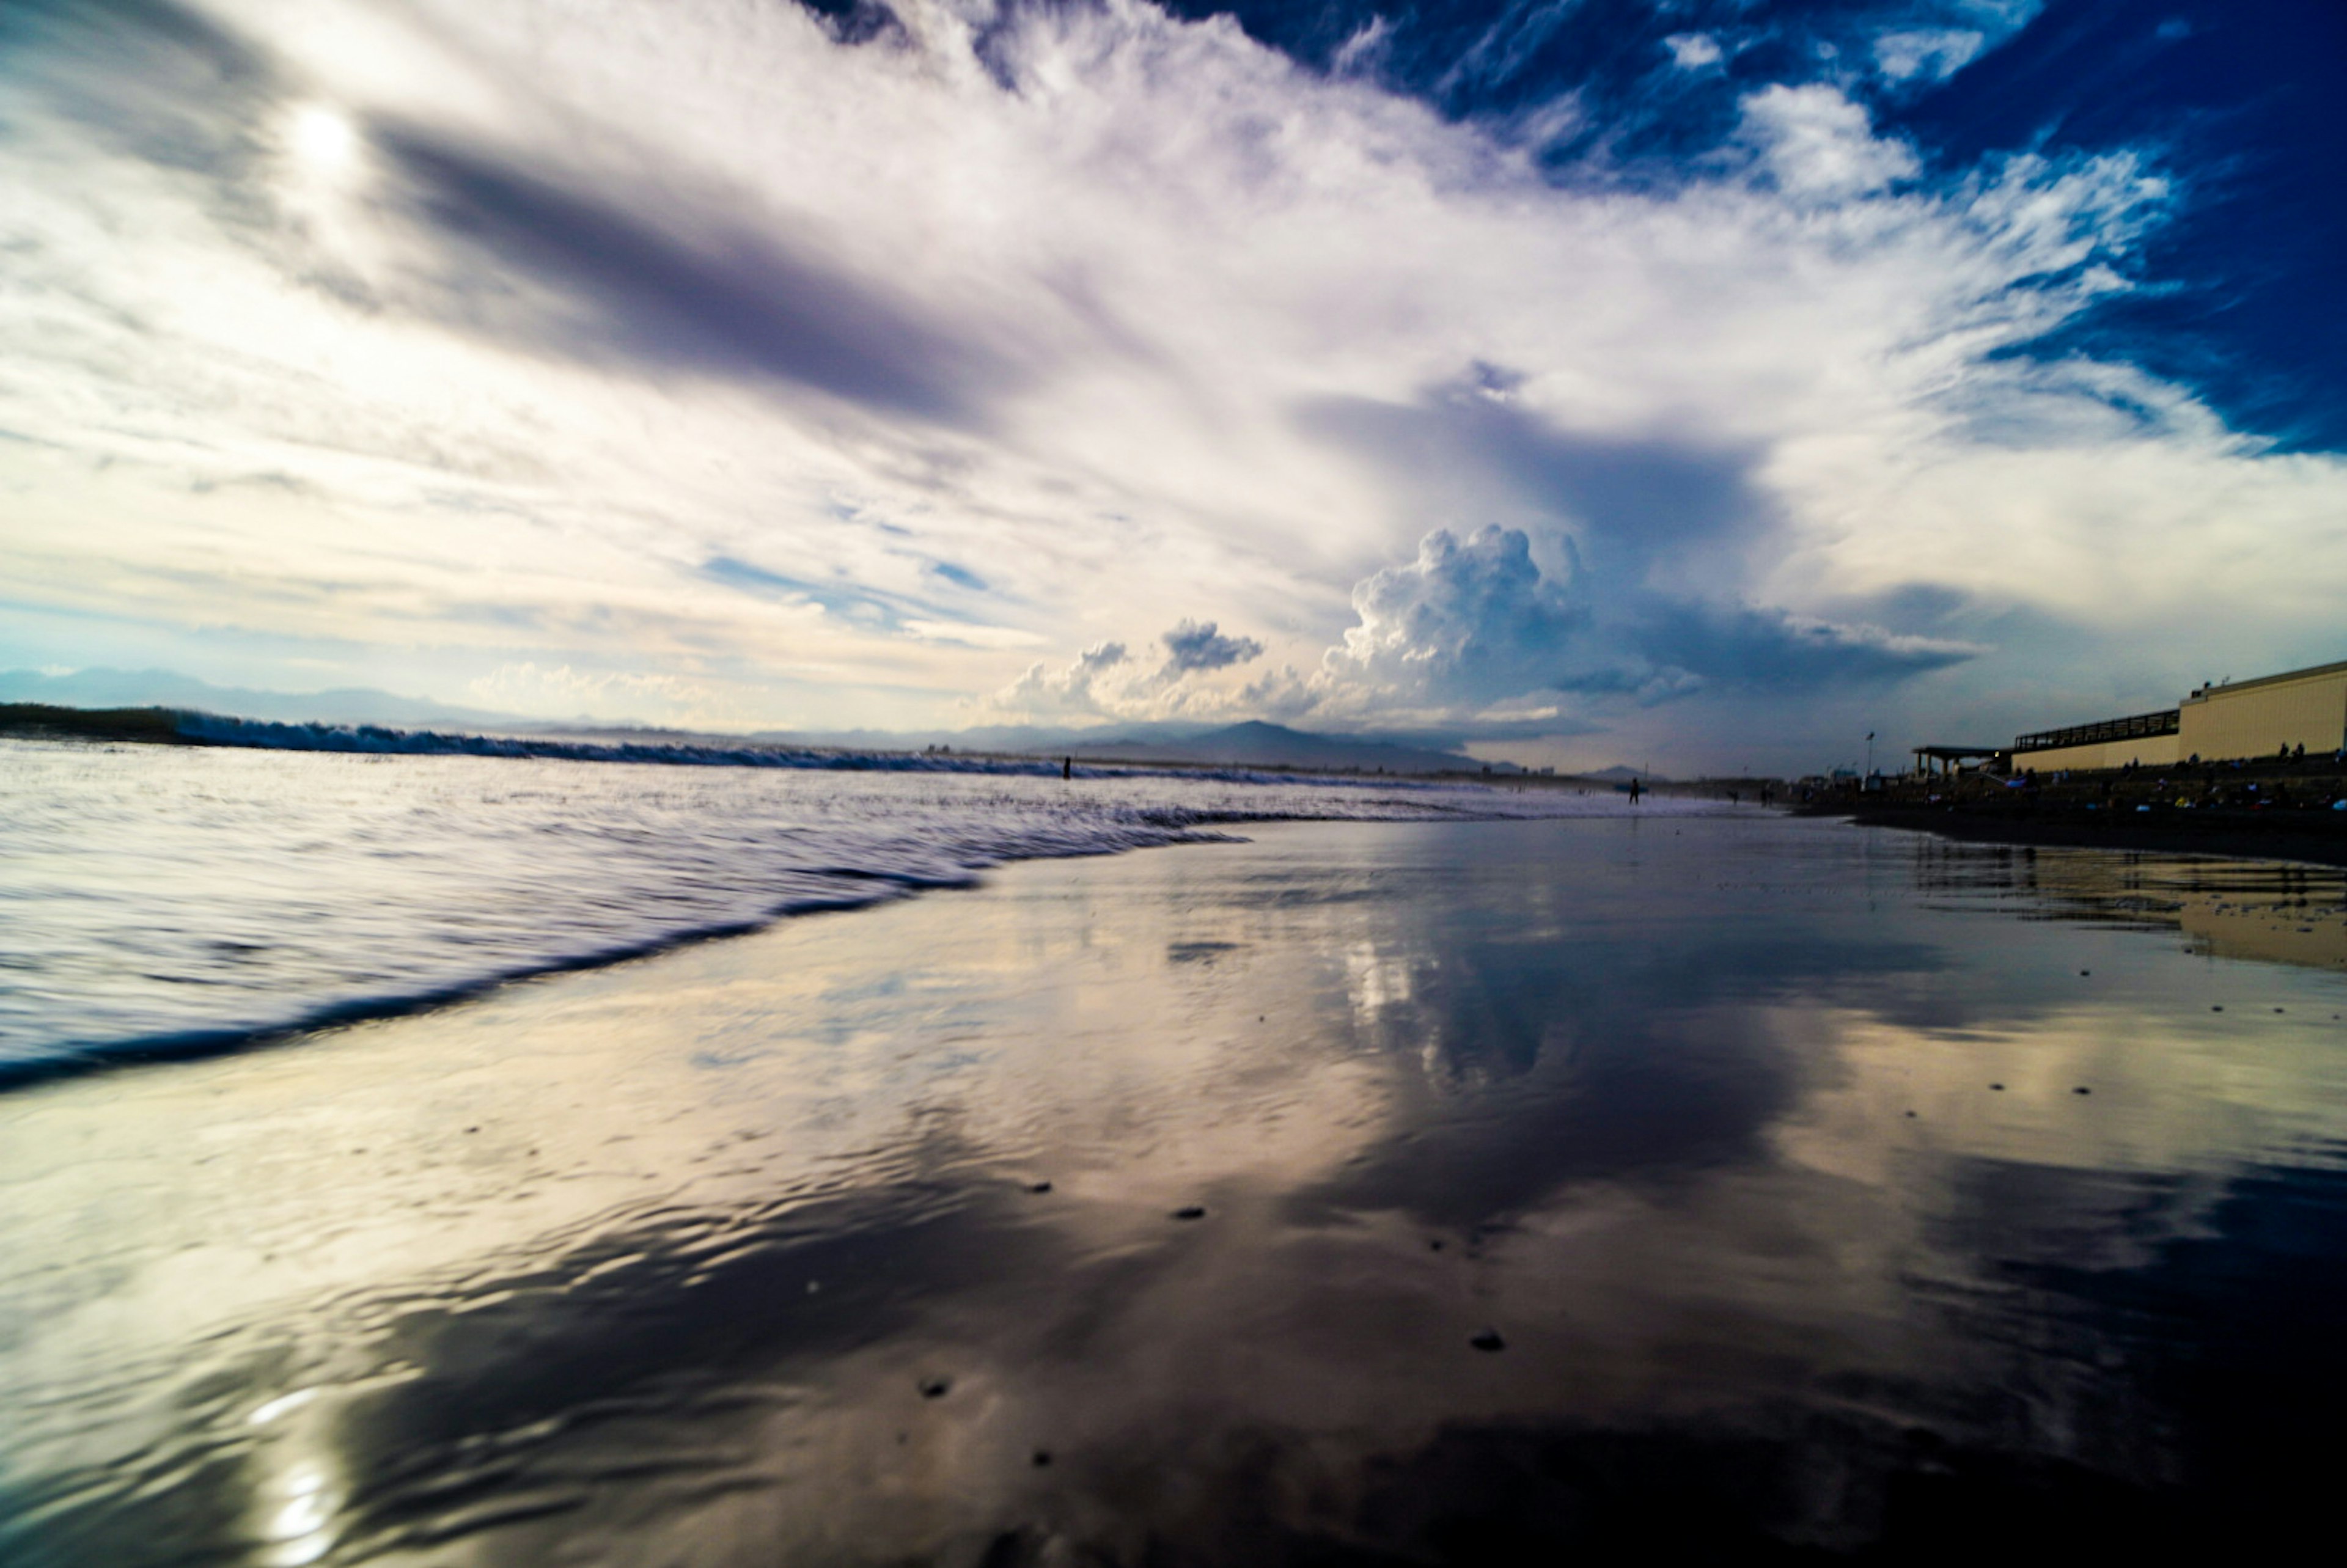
(1760, 1145)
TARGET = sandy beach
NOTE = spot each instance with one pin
(1364, 1191)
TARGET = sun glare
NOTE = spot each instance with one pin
(324, 136)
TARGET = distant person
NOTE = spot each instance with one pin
(1067, 767)
(1634, 792)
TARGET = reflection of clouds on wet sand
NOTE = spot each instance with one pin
(743, 1246)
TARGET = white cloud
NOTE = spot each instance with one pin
(1928, 54)
(1818, 145)
(1693, 51)
(1074, 692)
(1468, 621)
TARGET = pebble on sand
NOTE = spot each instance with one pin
(936, 1388)
(1190, 1212)
(1039, 1186)
(2082, 1089)
(1998, 1087)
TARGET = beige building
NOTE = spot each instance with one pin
(2258, 718)
(2216, 723)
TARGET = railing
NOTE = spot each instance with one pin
(2133, 728)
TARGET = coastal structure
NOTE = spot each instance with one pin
(2220, 722)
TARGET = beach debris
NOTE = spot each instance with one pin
(2082, 1089)
(1488, 1341)
(1998, 1087)
(936, 1388)
(1190, 1212)
(1038, 1187)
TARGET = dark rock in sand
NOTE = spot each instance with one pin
(936, 1388)
(1489, 1340)
(1190, 1212)
(1039, 1186)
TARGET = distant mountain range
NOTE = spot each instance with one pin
(1251, 744)
(168, 688)
(1259, 744)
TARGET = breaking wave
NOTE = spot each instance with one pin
(173, 901)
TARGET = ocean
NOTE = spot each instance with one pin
(1333, 1175)
(163, 900)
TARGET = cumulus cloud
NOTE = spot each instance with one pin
(1074, 690)
(1199, 645)
(1472, 623)
(1473, 635)
(1469, 621)
(1819, 144)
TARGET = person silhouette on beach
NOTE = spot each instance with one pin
(1634, 792)
(1067, 767)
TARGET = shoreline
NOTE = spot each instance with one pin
(1199, 822)
(2302, 836)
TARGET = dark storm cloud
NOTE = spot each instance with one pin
(1200, 645)
(661, 284)
(1768, 650)
(1475, 621)
(1630, 498)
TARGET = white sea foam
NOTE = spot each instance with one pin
(160, 900)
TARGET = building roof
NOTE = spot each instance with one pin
(2203, 693)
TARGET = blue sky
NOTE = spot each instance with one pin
(1700, 383)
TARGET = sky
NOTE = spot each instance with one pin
(1694, 384)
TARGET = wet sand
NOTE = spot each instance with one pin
(2315, 838)
(1361, 1194)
